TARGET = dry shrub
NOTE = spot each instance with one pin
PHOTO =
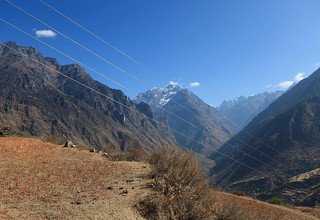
(135, 154)
(230, 211)
(238, 193)
(184, 192)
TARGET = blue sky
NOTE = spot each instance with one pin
(231, 48)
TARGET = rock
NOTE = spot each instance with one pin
(123, 192)
(105, 155)
(92, 150)
(6, 131)
(69, 144)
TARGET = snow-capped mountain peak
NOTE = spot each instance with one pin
(159, 96)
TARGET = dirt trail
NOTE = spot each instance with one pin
(44, 181)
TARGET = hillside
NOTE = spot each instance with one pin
(43, 181)
(210, 128)
(40, 180)
(289, 130)
(36, 100)
(243, 109)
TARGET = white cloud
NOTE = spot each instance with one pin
(45, 33)
(285, 84)
(194, 84)
(299, 77)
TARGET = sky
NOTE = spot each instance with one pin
(218, 49)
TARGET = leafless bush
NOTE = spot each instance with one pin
(185, 193)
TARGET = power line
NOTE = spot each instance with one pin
(144, 67)
(101, 39)
(122, 70)
(150, 70)
(136, 111)
(125, 87)
(90, 51)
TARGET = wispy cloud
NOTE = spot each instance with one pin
(287, 84)
(299, 77)
(45, 33)
(194, 84)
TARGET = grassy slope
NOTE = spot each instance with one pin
(44, 181)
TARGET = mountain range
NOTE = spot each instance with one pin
(36, 100)
(206, 128)
(280, 143)
(243, 109)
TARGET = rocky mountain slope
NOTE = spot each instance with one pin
(213, 128)
(37, 101)
(243, 109)
(284, 139)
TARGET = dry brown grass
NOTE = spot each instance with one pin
(246, 208)
(44, 181)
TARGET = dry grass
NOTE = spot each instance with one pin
(246, 208)
(43, 181)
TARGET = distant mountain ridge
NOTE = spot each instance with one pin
(214, 130)
(37, 101)
(288, 131)
(243, 109)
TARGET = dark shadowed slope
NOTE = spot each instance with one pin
(290, 125)
(35, 100)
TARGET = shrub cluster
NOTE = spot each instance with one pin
(184, 192)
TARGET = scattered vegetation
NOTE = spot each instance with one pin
(276, 201)
(238, 193)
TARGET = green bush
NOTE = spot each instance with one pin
(276, 201)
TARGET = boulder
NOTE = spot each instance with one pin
(69, 144)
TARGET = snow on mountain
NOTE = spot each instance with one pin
(243, 109)
(206, 127)
(159, 97)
